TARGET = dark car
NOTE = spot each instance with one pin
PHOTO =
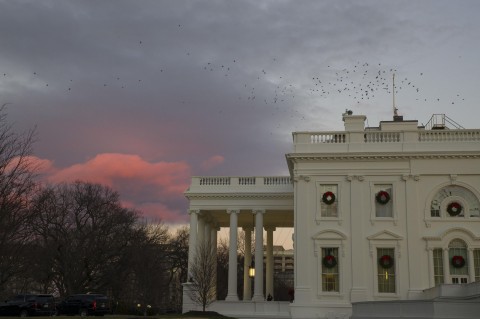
(29, 305)
(84, 305)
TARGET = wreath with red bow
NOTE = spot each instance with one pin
(328, 198)
(458, 261)
(385, 261)
(454, 209)
(329, 261)
(382, 197)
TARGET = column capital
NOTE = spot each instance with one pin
(258, 211)
(247, 228)
(194, 211)
(269, 228)
(233, 211)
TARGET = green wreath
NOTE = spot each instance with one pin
(458, 261)
(385, 261)
(329, 261)
(454, 209)
(328, 198)
(382, 197)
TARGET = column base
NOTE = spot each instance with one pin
(258, 298)
(231, 298)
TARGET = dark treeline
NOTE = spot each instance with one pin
(76, 238)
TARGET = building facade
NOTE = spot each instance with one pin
(378, 213)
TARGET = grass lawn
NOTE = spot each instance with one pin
(189, 315)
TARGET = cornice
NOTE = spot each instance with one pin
(382, 156)
(191, 196)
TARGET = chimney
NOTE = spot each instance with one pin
(354, 122)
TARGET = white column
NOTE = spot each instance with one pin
(247, 282)
(213, 242)
(431, 269)
(471, 265)
(201, 231)
(232, 257)
(270, 264)
(208, 235)
(446, 267)
(192, 238)
(258, 286)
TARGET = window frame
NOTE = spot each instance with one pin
(330, 239)
(318, 214)
(385, 239)
(393, 198)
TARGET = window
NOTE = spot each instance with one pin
(438, 266)
(383, 200)
(386, 270)
(330, 276)
(476, 263)
(455, 201)
(457, 247)
(328, 200)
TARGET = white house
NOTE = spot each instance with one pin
(379, 214)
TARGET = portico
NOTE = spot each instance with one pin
(252, 205)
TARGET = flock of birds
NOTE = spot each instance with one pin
(360, 82)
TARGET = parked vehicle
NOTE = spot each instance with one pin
(84, 305)
(29, 305)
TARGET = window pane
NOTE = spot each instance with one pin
(458, 247)
(438, 266)
(435, 208)
(329, 210)
(330, 276)
(476, 263)
(384, 209)
(386, 275)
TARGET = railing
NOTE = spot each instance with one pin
(215, 181)
(279, 180)
(246, 180)
(382, 137)
(328, 138)
(367, 137)
(449, 136)
(242, 181)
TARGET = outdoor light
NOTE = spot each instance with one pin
(251, 270)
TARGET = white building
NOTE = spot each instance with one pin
(379, 214)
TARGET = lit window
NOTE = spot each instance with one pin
(386, 270)
(330, 276)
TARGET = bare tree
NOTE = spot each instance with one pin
(17, 173)
(203, 285)
(85, 234)
(177, 256)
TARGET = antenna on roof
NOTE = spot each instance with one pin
(395, 113)
(396, 117)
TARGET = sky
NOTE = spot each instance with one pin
(142, 95)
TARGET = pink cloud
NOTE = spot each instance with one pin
(154, 188)
(212, 162)
(40, 166)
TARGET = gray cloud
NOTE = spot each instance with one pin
(187, 80)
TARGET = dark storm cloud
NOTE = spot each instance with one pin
(194, 81)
